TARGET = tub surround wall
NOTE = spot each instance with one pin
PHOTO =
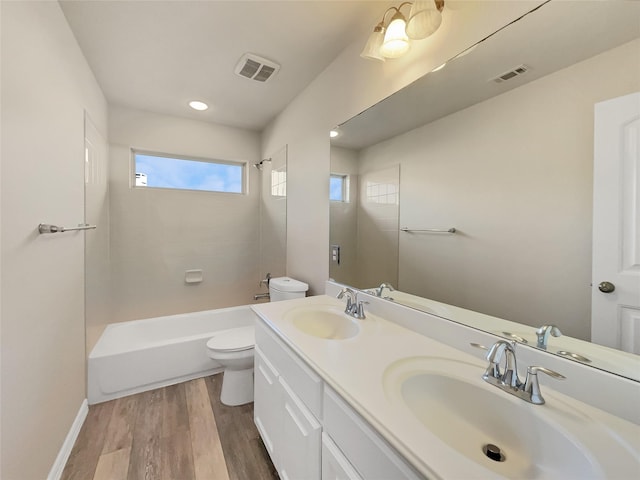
(46, 88)
(157, 234)
(532, 176)
(346, 87)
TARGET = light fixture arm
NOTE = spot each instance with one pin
(396, 9)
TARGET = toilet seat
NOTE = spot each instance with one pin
(233, 340)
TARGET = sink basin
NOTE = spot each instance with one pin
(323, 321)
(450, 399)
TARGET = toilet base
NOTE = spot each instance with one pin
(237, 387)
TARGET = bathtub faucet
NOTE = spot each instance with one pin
(260, 296)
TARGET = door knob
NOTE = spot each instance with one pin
(606, 287)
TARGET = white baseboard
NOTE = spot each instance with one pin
(63, 455)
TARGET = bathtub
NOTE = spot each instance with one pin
(132, 357)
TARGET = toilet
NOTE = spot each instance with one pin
(233, 348)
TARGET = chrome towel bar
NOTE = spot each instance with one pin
(46, 228)
(428, 230)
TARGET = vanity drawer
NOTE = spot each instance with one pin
(306, 383)
(364, 448)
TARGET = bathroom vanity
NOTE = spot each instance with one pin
(339, 397)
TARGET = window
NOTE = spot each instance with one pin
(154, 170)
(339, 188)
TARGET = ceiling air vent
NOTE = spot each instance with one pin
(513, 73)
(256, 68)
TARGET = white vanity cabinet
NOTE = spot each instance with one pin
(310, 432)
(288, 402)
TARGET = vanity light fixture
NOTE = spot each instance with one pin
(198, 105)
(392, 39)
(396, 42)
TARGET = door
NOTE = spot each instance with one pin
(615, 313)
(97, 264)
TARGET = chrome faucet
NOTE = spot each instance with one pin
(493, 374)
(381, 288)
(354, 308)
(543, 335)
(508, 381)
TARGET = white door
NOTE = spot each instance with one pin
(97, 265)
(615, 314)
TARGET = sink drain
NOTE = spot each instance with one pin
(493, 452)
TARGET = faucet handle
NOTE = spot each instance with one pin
(531, 385)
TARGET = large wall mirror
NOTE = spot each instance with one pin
(498, 145)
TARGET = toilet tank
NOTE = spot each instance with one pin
(285, 288)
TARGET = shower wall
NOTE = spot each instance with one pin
(158, 234)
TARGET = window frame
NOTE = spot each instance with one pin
(242, 164)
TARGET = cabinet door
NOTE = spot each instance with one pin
(365, 448)
(267, 407)
(300, 445)
(335, 465)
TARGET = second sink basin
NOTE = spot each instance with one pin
(323, 321)
(450, 399)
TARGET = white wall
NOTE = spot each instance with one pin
(157, 234)
(349, 85)
(46, 86)
(519, 191)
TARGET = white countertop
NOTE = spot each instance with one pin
(355, 368)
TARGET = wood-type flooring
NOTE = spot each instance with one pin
(181, 432)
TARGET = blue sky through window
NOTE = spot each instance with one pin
(163, 172)
(336, 188)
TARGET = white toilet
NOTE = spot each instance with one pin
(233, 348)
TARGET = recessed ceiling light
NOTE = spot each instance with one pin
(197, 105)
(333, 133)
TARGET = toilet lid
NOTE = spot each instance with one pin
(235, 339)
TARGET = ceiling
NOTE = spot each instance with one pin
(159, 55)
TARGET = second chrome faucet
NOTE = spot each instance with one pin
(508, 380)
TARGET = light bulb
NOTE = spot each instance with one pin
(396, 42)
(197, 105)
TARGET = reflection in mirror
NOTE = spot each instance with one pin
(509, 164)
(364, 222)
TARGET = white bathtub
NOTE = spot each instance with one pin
(132, 357)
